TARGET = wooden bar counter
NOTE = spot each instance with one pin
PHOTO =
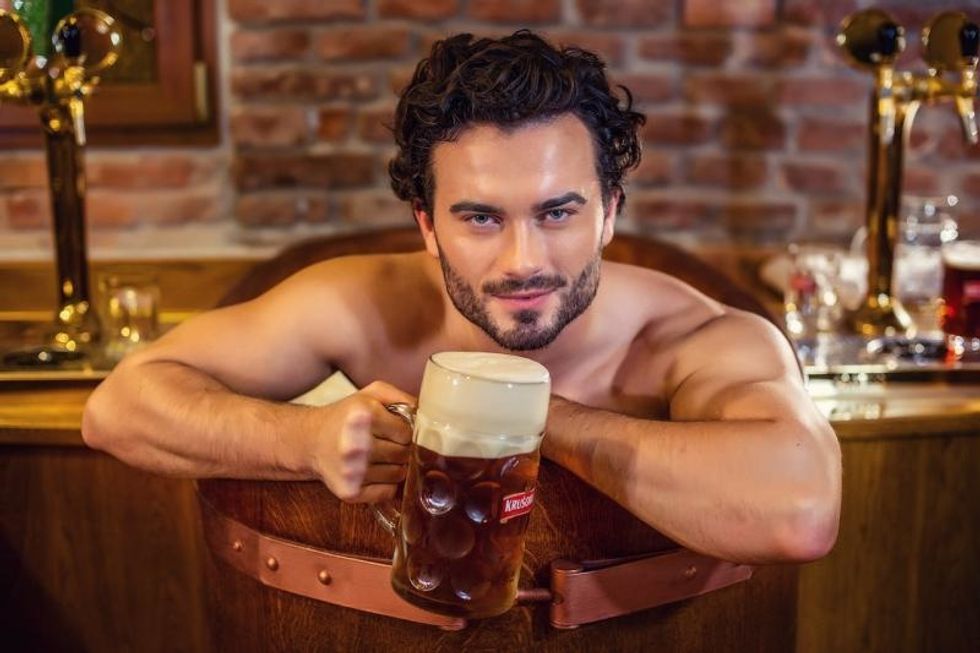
(95, 555)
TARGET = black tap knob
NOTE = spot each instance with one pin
(970, 40)
(889, 36)
(71, 40)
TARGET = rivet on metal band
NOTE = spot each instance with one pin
(324, 577)
(238, 546)
(690, 572)
(272, 563)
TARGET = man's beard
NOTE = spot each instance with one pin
(529, 333)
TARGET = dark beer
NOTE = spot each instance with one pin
(961, 296)
(470, 483)
(462, 531)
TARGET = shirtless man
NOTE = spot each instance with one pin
(689, 413)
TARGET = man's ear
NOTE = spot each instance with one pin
(424, 220)
(609, 219)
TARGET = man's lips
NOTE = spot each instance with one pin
(524, 300)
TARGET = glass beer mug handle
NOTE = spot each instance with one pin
(386, 512)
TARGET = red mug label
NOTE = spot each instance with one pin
(971, 291)
(515, 505)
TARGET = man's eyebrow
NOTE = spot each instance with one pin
(479, 207)
(559, 201)
(474, 207)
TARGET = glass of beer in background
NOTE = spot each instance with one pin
(470, 483)
(961, 299)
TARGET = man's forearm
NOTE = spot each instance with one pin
(171, 419)
(749, 491)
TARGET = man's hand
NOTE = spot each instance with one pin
(361, 449)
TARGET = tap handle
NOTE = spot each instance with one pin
(70, 36)
(950, 42)
(871, 38)
(889, 39)
(89, 38)
(968, 118)
(76, 109)
(15, 45)
(965, 106)
(970, 41)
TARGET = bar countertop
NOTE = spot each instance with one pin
(50, 412)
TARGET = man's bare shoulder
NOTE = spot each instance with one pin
(725, 356)
(373, 295)
(664, 308)
(359, 281)
(360, 272)
(679, 329)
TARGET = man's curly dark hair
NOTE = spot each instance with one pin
(507, 82)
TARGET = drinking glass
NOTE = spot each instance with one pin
(961, 299)
(470, 484)
(130, 312)
(918, 267)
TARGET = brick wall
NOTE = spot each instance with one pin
(756, 128)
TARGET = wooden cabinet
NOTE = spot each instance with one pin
(97, 555)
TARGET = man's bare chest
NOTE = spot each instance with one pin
(629, 383)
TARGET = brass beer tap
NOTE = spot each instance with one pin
(85, 43)
(872, 40)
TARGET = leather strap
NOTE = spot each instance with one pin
(350, 581)
(584, 593)
(580, 593)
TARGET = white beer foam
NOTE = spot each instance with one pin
(495, 367)
(964, 255)
(447, 440)
(482, 405)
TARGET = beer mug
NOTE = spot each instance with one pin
(470, 484)
(961, 299)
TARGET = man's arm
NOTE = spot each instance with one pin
(746, 470)
(205, 399)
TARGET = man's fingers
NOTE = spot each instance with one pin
(389, 426)
(385, 451)
(384, 474)
(356, 439)
(388, 394)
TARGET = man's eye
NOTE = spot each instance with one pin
(557, 215)
(481, 220)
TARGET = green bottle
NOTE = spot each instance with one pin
(41, 16)
(37, 15)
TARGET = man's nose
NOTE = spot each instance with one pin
(524, 252)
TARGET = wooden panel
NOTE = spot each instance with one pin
(184, 284)
(97, 556)
(905, 574)
(42, 414)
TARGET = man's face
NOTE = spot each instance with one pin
(519, 227)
